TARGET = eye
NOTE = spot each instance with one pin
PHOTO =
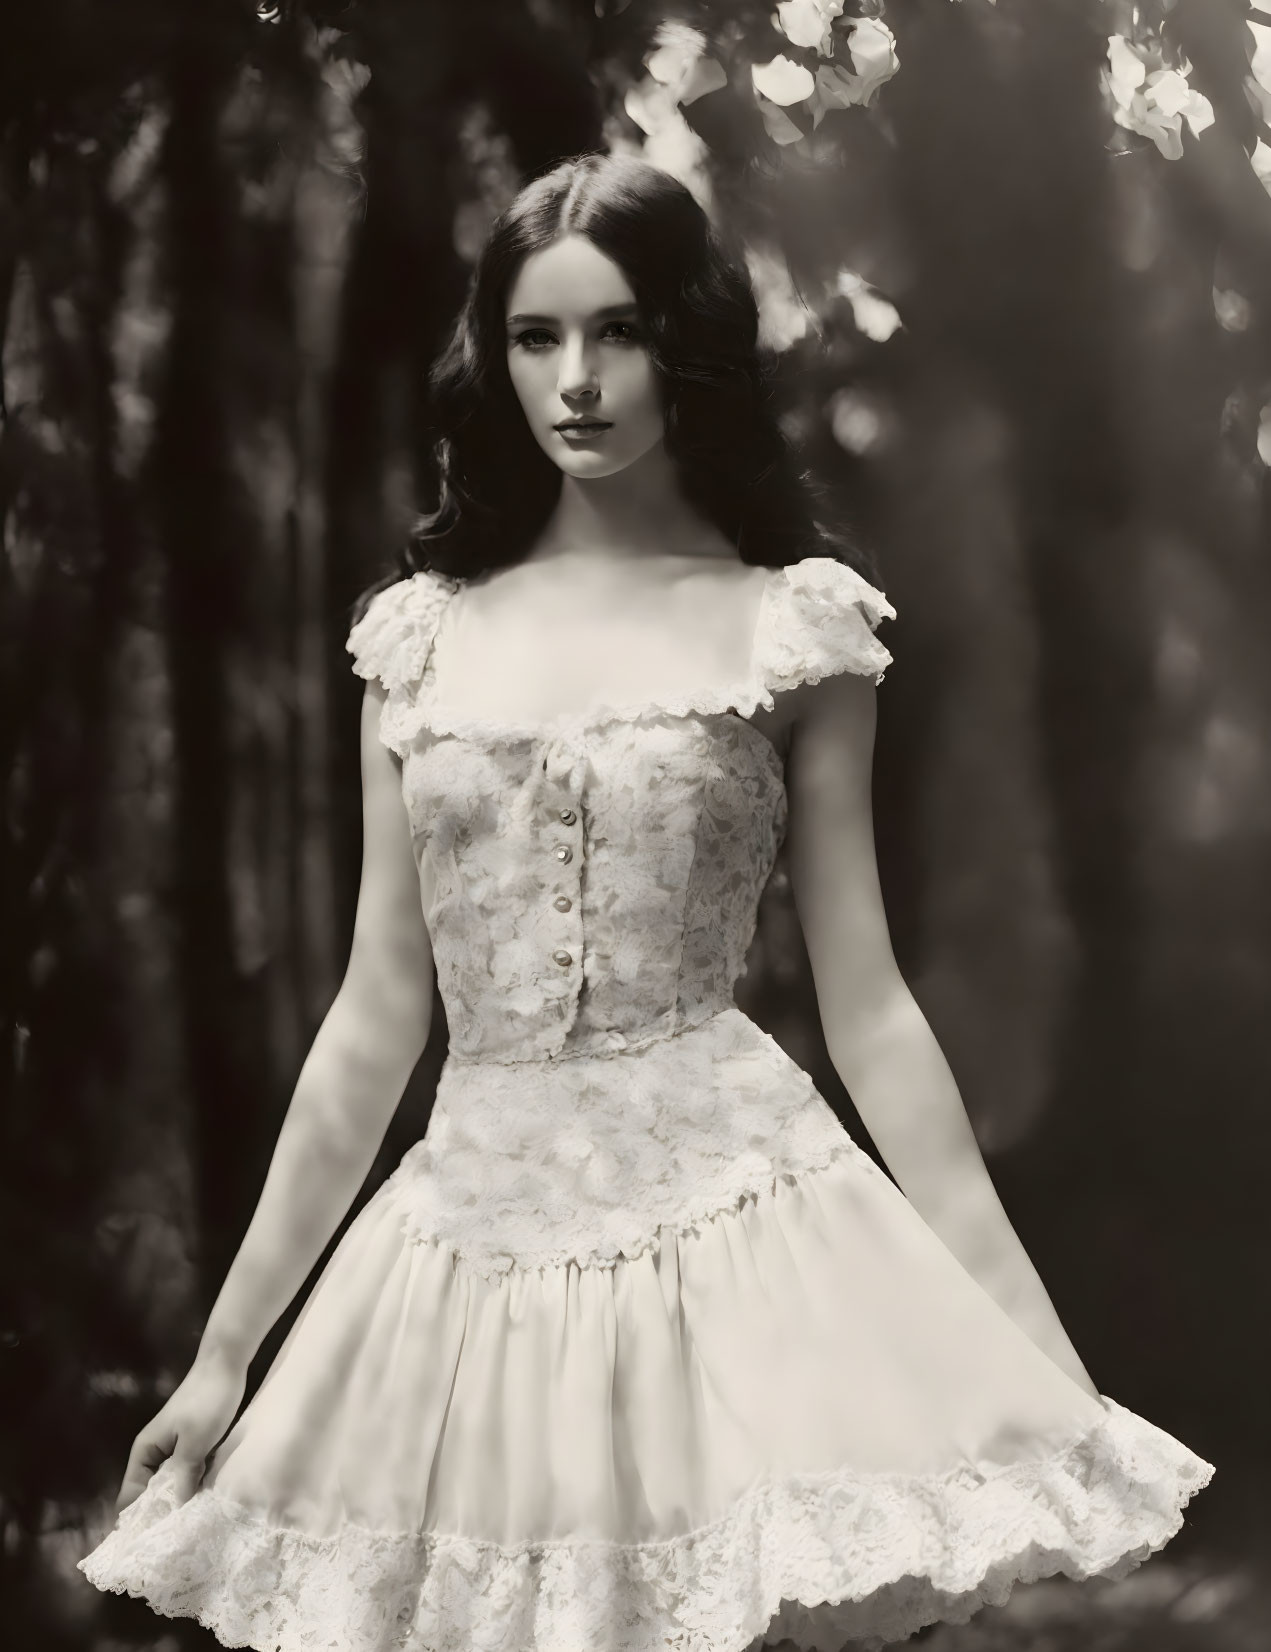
(529, 333)
(525, 339)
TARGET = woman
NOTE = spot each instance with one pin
(636, 1348)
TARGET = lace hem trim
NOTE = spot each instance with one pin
(816, 619)
(871, 1558)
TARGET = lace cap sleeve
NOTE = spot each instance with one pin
(822, 620)
(392, 641)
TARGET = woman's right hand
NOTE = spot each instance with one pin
(195, 1418)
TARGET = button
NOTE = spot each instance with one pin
(562, 851)
(564, 959)
(562, 903)
(568, 816)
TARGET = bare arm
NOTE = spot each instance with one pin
(352, 1079)
(349, 1086)
(876, 1035)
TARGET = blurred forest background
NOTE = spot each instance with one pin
(1015, 260)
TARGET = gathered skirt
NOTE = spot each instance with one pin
(798, 1418)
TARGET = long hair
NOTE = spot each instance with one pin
(494, 485)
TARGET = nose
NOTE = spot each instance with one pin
(577, 375)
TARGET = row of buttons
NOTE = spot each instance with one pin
(562, 903)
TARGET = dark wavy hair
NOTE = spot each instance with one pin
(495, 487)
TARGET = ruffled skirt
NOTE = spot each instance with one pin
(799, 1418)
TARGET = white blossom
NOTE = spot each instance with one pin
(678, 62)
(1260, 160)
(809, 22)
(874, 315)
(781, 80)
(874, 57)
(784, 318)
(1153, 101)
(1258, 79)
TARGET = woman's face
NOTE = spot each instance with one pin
(575, 349)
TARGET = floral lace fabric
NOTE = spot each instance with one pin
(636, 1349)
(598, 877)
(588, 1168)
(594, 886)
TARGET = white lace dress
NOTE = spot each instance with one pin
(636, 1349)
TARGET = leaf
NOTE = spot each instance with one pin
(707, 76)
(781, 129)
(836, 89)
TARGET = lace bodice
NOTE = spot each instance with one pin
(594, 881)
(591, 886)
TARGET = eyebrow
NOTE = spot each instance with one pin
(597, 315)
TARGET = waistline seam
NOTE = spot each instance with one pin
(631, 1047)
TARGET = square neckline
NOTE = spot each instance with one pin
(702, 700)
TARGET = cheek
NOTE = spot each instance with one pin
(642, 391)
(522, 381)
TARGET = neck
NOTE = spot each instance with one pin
(635, 515)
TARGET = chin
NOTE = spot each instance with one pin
(594, 465)
(585, 463)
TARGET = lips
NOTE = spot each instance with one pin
(584, 424)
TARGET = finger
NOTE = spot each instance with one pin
(187, 1473)
(148, 1450)
(136, 1479)
(134, 1483)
